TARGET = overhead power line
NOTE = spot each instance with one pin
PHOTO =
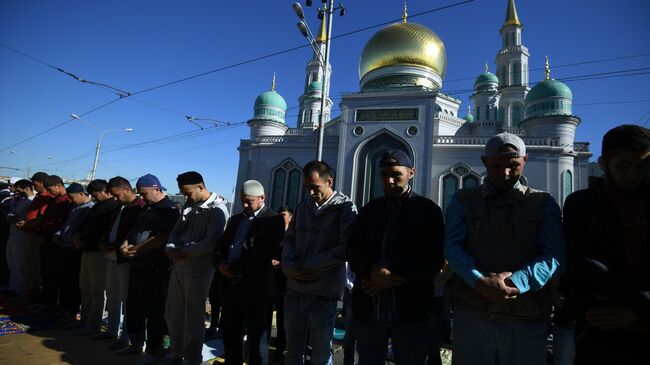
(101, 85)
(59, 125)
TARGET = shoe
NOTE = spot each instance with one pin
(72, 324)
(148, 359)
(171, 361)
(87, 331)
(135, 348)
(102, 336)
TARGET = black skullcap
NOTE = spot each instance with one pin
(395, 158)
(189, 178)
(75, 188)
(40, 176)
(53, 180)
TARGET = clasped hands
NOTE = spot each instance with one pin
(497, 287)
(380, 278)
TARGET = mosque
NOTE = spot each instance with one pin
(401, 104)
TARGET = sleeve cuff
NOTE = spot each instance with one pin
(521, 281)
(470, 277)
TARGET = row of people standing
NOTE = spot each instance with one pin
(504, 241)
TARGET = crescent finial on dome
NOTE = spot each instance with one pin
(404, 13)
(486, 66)
(273, 83)
(547, 70)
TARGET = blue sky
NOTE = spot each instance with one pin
(135, 45)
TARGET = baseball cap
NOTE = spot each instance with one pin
(502, 139)
(149, 181)
(400, 159)
(252, 188)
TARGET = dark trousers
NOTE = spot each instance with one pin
(145, 304)
(4, 267)
(215, 300)
(70, 293)
(277, 304)
(52, 273)
(242, 315)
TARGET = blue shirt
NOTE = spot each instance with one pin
(75, 218)
(531, 276)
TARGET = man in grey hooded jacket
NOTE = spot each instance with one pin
(190, 247)
(314, 262)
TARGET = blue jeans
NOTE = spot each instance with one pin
(410, 342)
(480, 341)
(308, 314)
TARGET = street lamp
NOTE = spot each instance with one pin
(327, 12)
(99, 140)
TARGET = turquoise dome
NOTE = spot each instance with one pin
(270, 106)
(271, 99)
(315, 86)
(486, 77)
(469, 118)
(549, 89)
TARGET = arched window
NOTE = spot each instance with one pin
(567, 184)
(478, 113)
(458, 177)
(279, 177)
(516, 115)
(293, 190)
(487, 112)
(470, 181)
(368, 185)
(449, 187)
(286, 189)
(516, 73)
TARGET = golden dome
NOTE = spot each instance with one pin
(404, 44)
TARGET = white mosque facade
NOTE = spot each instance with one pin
(401, 105)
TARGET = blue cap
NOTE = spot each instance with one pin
(395, 158)
(149, 181)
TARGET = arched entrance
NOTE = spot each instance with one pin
(368, 184)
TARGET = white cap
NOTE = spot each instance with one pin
(252, 188)
(504, 139)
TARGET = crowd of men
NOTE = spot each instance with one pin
(518, 268)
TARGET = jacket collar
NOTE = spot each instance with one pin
(206, 204)
(515, 194)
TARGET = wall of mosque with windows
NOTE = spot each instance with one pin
(286, 185)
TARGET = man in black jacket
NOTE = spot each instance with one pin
(395, 250)
(92, 276)
(607, 285)
(243, 256)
